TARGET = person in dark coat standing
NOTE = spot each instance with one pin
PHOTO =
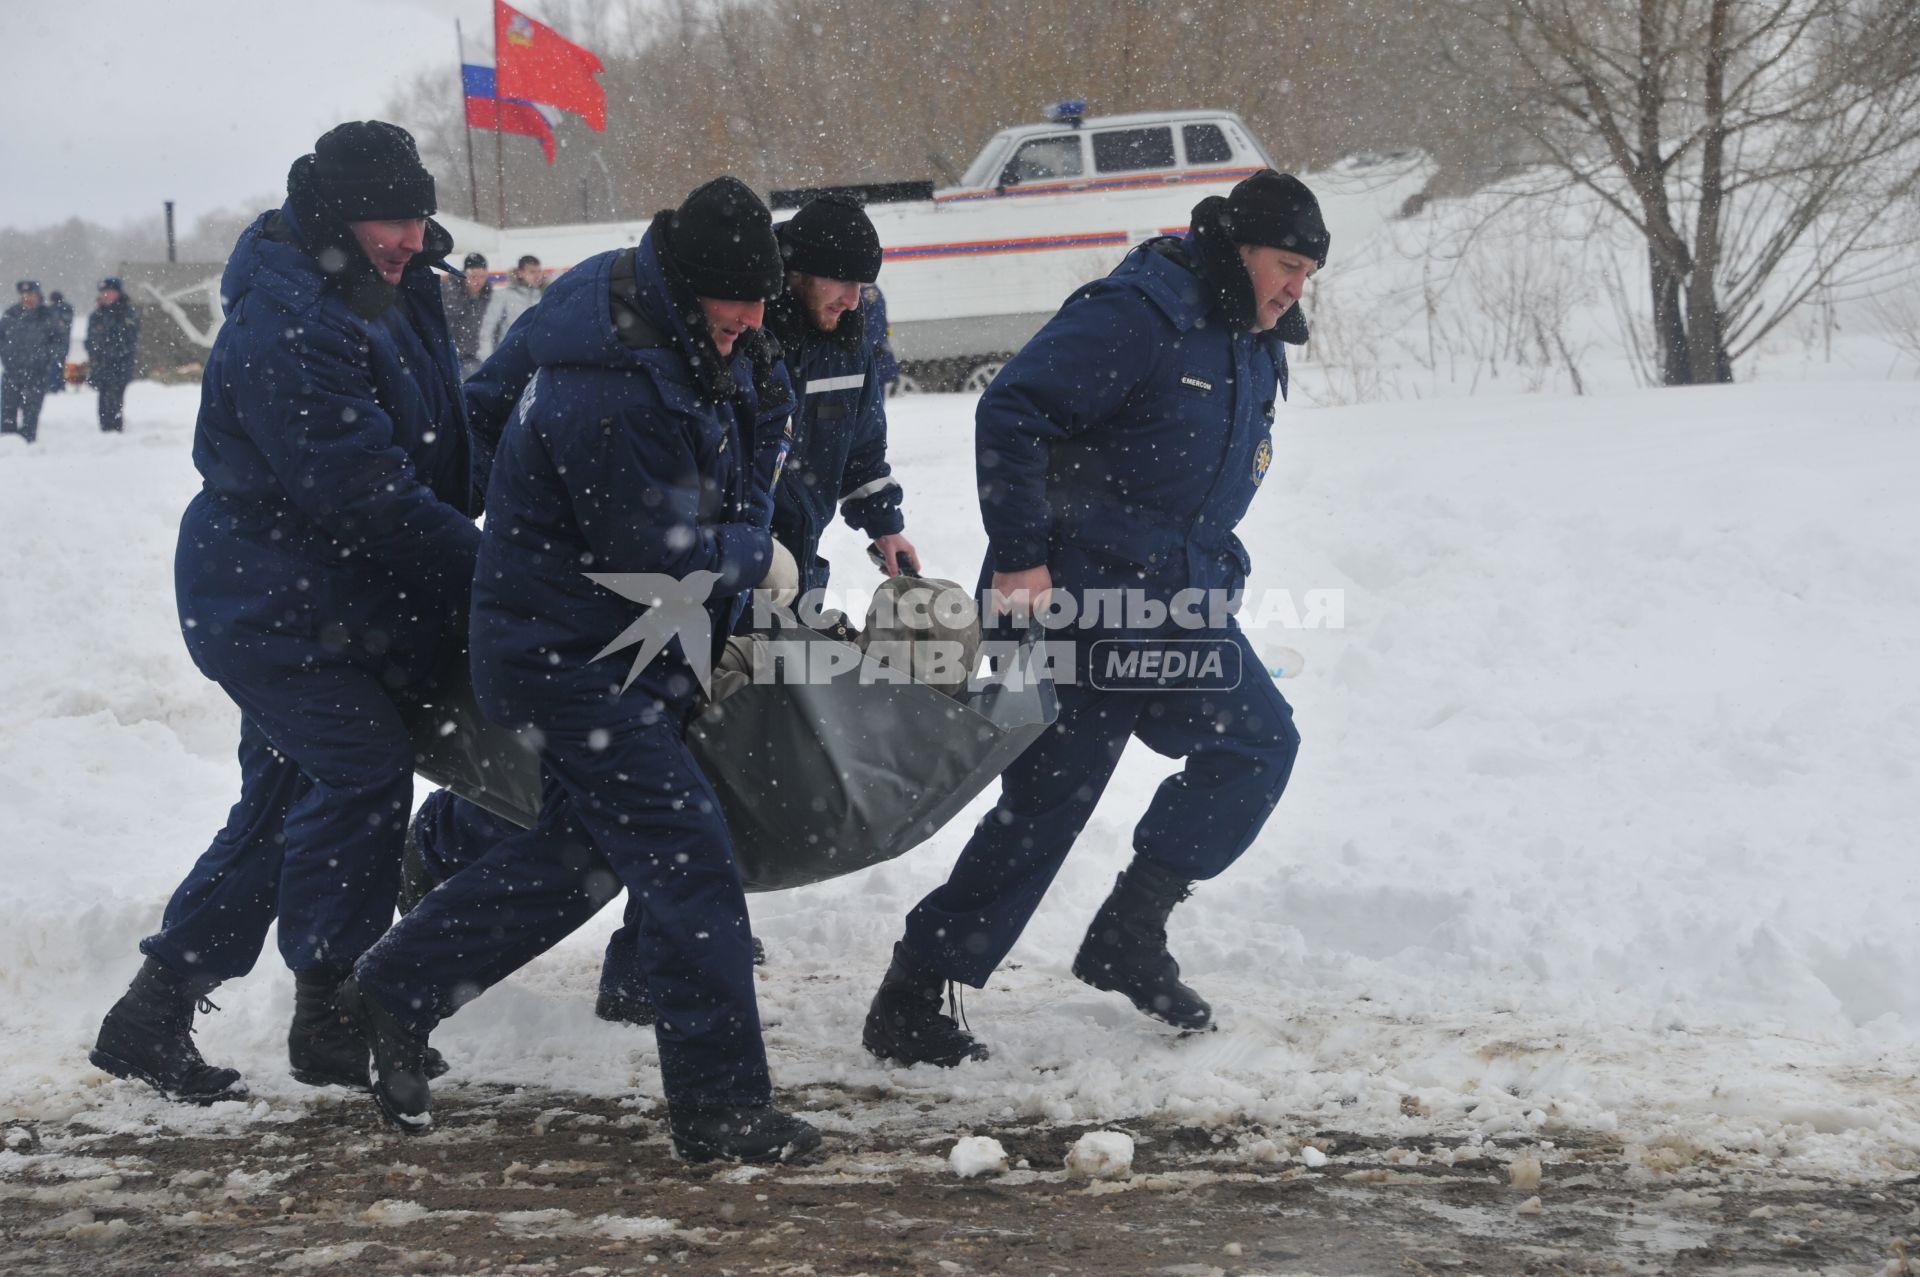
(113, 347)
(322, 574)
(467, 300)
(62, 312)
(1115, 454)
(29, 340)
(627, 506)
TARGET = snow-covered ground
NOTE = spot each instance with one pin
(1604, 818)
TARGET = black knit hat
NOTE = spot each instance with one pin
(723, 243)
(113, 282)
(370, 171)
(1276, 209)
(474, 260)
(832, 237)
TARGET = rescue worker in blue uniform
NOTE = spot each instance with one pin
(322, 576)
(830, 341)
(625, 504)
(1117, 451)
(834, 336)
(832, 345)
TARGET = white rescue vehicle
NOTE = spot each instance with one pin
(973, 270)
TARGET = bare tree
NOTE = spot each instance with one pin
(1756, 145)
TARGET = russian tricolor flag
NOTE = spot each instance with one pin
(487, 110)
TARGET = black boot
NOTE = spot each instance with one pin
(623, 1007)
(905, 1023)
(323, 1049)
(399, 1074)
(147, 1037)
(1126, 947)
(759, 1134)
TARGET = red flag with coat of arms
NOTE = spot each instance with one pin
(534, 62)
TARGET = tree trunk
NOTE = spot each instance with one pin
(1705, 353)
(1707, 360)
(1669, 322)
(1667, 256)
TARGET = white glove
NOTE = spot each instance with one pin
(782, 580)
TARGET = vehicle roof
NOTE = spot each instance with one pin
(980, 169)
(1116, 121)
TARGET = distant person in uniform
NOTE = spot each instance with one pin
(886, 366)
(113, 346)
(63, 312)
(520, 294)
(468, 299)
(29, 341)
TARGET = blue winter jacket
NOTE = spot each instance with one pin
(619, 458)
(493, 394)
(29, 341)
(839, 456)
(337, 495)
(1122, 445)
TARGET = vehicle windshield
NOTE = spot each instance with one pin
(1045, 158)
(985, 165)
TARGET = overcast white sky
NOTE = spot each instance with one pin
(112, 106)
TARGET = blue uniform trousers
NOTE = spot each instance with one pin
(636, 812)
(20, 400)
(326, 783)
(453, 833)
(1239, 748)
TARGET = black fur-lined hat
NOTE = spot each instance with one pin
(370, 171)
(1279, 211)
(833, 238)
(723, 243)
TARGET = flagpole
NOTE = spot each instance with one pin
(499, 161)
(473, 182)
